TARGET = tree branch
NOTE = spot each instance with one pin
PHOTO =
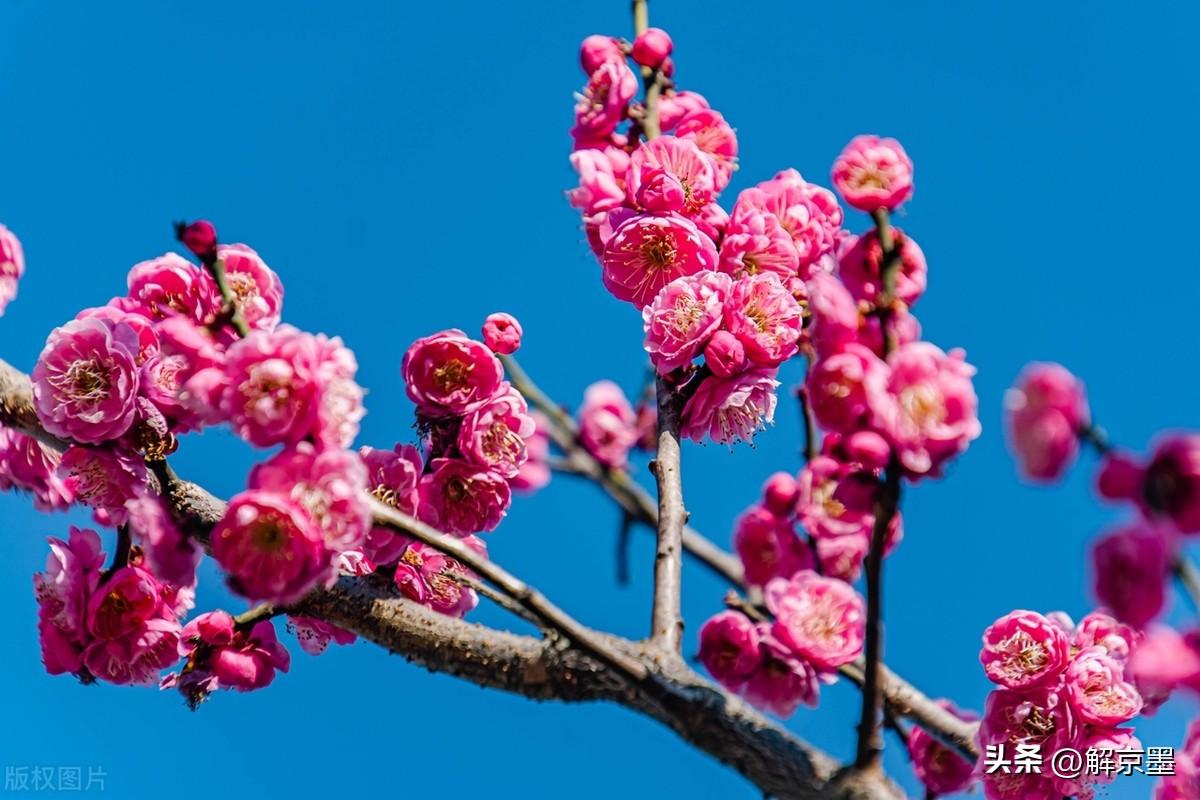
(667, 620)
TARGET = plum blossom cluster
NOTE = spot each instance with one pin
(219, 653)
(818, 626)
(1059, 685)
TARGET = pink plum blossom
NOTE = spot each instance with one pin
(729, 649)
(1045, 411)
(393, 475)
(1167, 484)
(199, 237)
(647, 252)
(728, 409)
(873, 173)
(809, 213)
(170, 285)
(940, 769)
(1023, 650)
(835, 317)
(725, 354)
(169, 554)
(682, 317)
(820, 619)
(256, 288)
(674, 106)
(130, 597)
(860, 268)
(314, 635)
(27, 464)
(715, 138)
(651, 48)
(756, 241)
(669, 162)
(780, 494)
(765, 317)
(1164, 661)
(427, 576)
(1132, 564)
(502, 333)
(71, 576)
(783, 680)
(12, 266)
(449, 374)
(534, 474)
(840, 388)
(602, 104)
(836, 505)
(461, 498)
(768, 546)
(494, 434)
(221, 655)
(1185, 783)
(596, 50)
(105, 478)
(602, 174)
(1098, 691)
(607, 424)
(138, 658)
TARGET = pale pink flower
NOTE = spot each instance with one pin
(448, 374)
(314, 635)
(682, 317)
(534, 474)
(340, 402)
(602, 104)
(256, 288)
(427, 576)
(393, 475)
(783, 680)
(270, 548)
(12, 266)
(1168, 484)
(860, 268)
(328, 484)
(494, 435)
(170, 554)
(1098, 691)
(1023, 649)
(729, 649)
(461, 498)
(765, 317)
(171, 285)
(85, 384)
(715, 138)
(502, 333)
(221, 655)
(666, 162)
(840, 388)
(1045, 411)
(725, 354)
(104, 478)
(647, 252)
(835, 317)
(597, 49)
(755, 241)
(873, 173)
(820, 619)
(940, 769)
(729, 409)
(27, 464)
(607, 424)
(674, 106)
(930, 411)
(1132, 565)
(1099, 630)
(768, 546)
(651, 48)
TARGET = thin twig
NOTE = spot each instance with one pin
(806, 419)
(261, 612)
(499, 598)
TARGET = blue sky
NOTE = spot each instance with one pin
(402, 167)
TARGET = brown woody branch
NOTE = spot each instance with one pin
(667, 619)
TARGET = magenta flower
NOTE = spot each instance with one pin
(256, 288)
(12, 266)
(765, 317)
(768, 546)
(780, 493)
(836, 505)
(835, 317)
(725, 355)
(534, 474)
(1132, 565)
(170, 285)
(729, 649)
(782, 681)
(940, 769)
(72, 573)
(841, 386)
(1023, 650)
(930, 411)
(1167, 485)
(392, 475)
(427, 576)
(601, 179)
(607, 424)
(494, 435)
(27, 464)
(604, 100)
(873, 173)
(460, 498)
(674, 106)
(860, 266)
(1045, 411)
(314, 635)
(597, 49)
(1099, 630)
(270, 548)
(809, 213)
(820, 619)
(646, 252)
(1164, 661)
(1098, 692)
(448, 374)
(715, 138)
(85, 384)
(729, 409)
(652, 47)
(756, 241)
(1040, 717)
(169, 554)
(328, 484)
(682, 317)
(671, 174)
(138, 658)
(502, 333)
(1185, 783)
(129, 598)
(223, 656)
(105, 478)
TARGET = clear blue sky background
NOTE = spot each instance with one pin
(402, 166)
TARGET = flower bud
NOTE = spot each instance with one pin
(596, 50)
(200, 237)
(651, 48)
(725, 354)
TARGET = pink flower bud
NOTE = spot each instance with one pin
(200, 237)
(1120, 478)
(651, 47)
(598, 49)
(725, 354)
(873, 173)
(780, 493)
(502, 333)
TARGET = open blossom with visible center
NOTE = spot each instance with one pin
(729, 649)
(1167, 485)
(270, 548)
(602, 173)
(449, 374)
(328, 484)
(647, 251)
(494, 434)
(607, 424)
(682, 317)
(393, 475)
(72, 573)
(314, 635)
(169, 554)
(1132, 565)
(461, 498)
(809, 213)
(26, 463)
(765, 318)
(502, 333)
(840, 388)
(171, 285)
(1100, 630)
(221, 655)
(836, 505)
(1045, 411)
(930, 411)
(256, 288)
(602, 104)
(1024, 649)
(768, 546)
(427, 576)
(861, 262)
(873, 173)
(728, 409)
(12, 266)
(1098, 691)
(715, 138)
(85, 384)
(821, 619)
(755, 241)
(1039, 717)
(671, 174)
(783, 680)
(940, 769)
(105, 478)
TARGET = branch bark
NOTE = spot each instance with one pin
(667, 619)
